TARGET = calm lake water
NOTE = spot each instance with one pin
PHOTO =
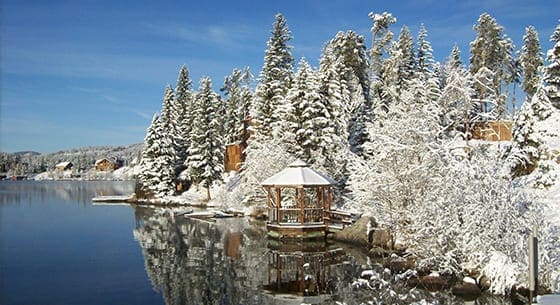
(56, 247)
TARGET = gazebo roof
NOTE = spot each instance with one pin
(298, 174)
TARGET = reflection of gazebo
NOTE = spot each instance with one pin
(304, 269)
(299, 201)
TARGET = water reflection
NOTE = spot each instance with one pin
(196, 262)
(303, 268)
(230, 261)
(31, 192)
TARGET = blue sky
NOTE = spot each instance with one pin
(87, 73)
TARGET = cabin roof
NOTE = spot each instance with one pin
(298, 173)
(63, 164)
(99, 161)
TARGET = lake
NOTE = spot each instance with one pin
(56, 247)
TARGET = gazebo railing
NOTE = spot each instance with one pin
(294, 215)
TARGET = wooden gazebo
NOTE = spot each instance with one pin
(299, 202)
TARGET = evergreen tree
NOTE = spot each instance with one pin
(381, 41)
(531, 61)
(274, 79)
(456, 104)
(427, 84)
(336, 96)
(492, 50)
(156, 176)
(205, 162)
(238, 100)
(552, 70)
(406, 60)
(528, 148)
(455, 57)
(347, 55)
(425, 57)
(168, 120)
(308, 117)
(183, 109)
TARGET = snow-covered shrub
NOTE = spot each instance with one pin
(501, 271)
(264, 159)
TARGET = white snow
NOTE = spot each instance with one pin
(298, 173)
(470, 280)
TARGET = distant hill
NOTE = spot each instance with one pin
(83, 158)
(26, 153)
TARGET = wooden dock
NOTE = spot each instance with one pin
(126, 199)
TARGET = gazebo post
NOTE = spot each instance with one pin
(268, 201)
(301, 200)
(279, 203)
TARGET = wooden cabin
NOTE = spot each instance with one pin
(63, 166)
(299, 201)
(493, 131)
(105, 165)
(233, 157)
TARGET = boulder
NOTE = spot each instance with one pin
(467, 291)
(483, 283)
(259, 213)
(381, 237)
(398, 264)
(378, 252)
(434, 282)
(357, 233)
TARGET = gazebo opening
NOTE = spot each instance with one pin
(299, 201)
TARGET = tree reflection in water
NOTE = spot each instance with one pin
(195, 262)
(230, 261)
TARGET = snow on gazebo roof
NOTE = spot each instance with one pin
(298, 173)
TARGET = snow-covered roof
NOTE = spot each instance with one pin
(97, 162)
(298, 174)
(63, 164)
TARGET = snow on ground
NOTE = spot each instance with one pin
(225, 195)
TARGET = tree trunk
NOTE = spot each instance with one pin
(208, 194)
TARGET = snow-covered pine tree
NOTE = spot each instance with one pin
(527, 144)
(492, 50)
(455, 57)
(335, 94)
(425, 55)
(406, 62)
(274, 79)
(183, 110)
(169, 124)
(455, 103)
(552, 70)
(531, 61)
(428, 83)
(309, 118)
(346, 58)
(529, 152)
(205, 161)
(156, 177)
(381, 41)
(238, 101)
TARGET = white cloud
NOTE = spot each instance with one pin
(233, 36)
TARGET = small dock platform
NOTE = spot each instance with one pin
(123, 199)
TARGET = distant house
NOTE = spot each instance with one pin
(493, 131)
(105, 164)
(63, 166)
